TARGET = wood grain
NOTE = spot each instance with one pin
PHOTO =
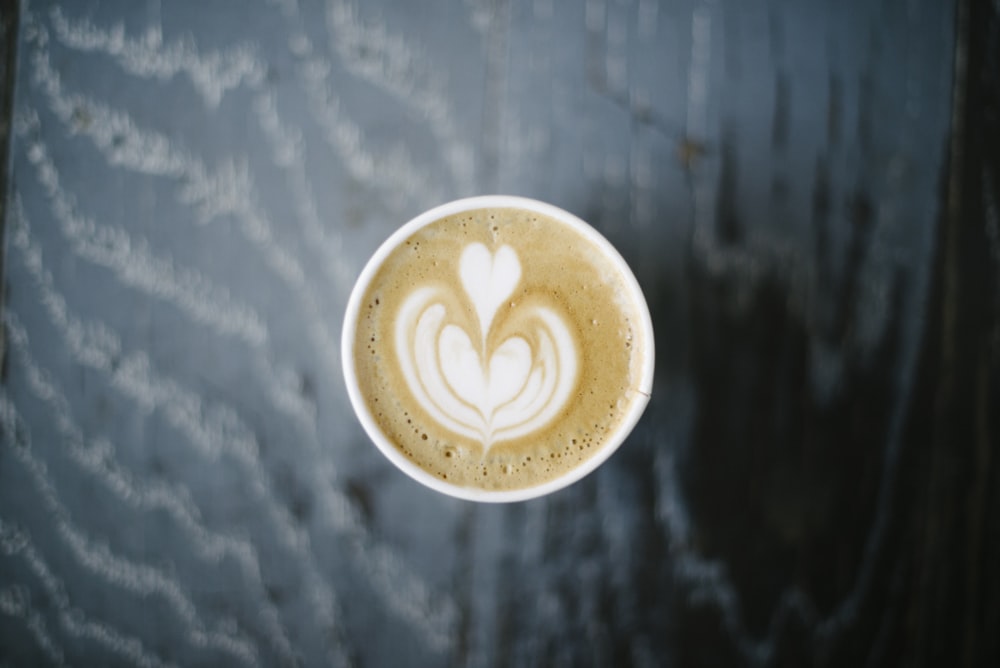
(806, 191)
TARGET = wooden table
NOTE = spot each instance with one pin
(808, 193)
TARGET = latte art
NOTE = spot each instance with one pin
(497, 349)
(486, 393)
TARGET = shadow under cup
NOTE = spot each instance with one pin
(481, 335)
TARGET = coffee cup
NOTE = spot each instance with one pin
(497, 349)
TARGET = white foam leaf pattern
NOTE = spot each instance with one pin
(482, 394)
(488, 280)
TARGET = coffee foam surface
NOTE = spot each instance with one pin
(486, 392)
(495, 348)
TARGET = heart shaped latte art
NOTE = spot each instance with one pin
(487, 395)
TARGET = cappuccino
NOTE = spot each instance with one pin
(499, 348)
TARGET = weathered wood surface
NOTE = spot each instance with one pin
(807, 191)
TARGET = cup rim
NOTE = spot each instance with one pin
(384, 443)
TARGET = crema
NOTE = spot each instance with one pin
(499, 348)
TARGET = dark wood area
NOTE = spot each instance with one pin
(948, 605)
(915, 582)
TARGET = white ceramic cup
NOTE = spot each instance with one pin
(390, 450)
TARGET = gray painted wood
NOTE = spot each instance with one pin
(195, 186)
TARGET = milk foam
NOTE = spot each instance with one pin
(487, 393)
(499, 349)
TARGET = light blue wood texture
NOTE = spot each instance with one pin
(195, 187)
